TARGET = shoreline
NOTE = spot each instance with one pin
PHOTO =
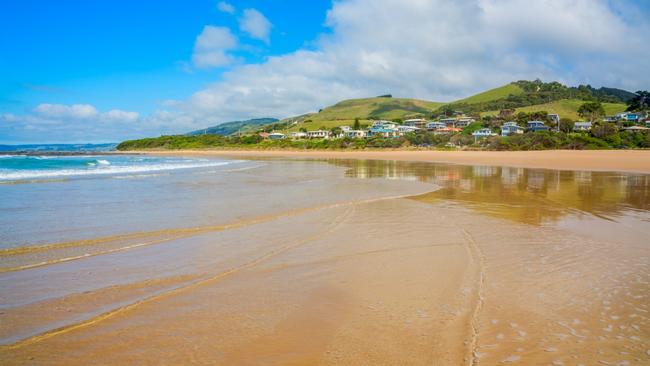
(628, 161)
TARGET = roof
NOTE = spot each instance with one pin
(381, 130)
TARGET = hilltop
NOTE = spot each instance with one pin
(229, 128)
(365, 109)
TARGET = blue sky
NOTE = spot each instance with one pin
(74, 71)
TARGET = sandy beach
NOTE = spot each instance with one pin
(636, 161)
(375, 260)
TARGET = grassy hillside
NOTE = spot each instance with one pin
(377, 108)
(229, 128)
(566, 108)
(493, 94)
(367, 109)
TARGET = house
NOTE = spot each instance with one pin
(264, 135)
(582, 126)
(355, 134)
(535, 126)
(511, 128)
(384, 124)
(435, 125)
(449, 122)
(612, 119)
(345, 128)
(463, 122)
(276, 136)
(298, 135)
(483, 132)
(318, 134)
(553, 117)
(383, 132)
(636, 129)
(416, 122)
(446, 130)
(406, 129)
(629, 117)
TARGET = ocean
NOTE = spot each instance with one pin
(21, 167)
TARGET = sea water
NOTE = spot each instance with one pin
(18, 168)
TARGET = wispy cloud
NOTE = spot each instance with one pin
(226, 7)
(211, 47)
(76, 122)
(255, 25)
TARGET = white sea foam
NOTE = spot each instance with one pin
(106, 169)
(103, 162)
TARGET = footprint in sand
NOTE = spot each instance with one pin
(513, 358)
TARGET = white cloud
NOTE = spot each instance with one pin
(76, 111)
(120, 116)
(255, 25)
(54, 112)
(436, 50)
(76, 122)
(226, 7)
(211, 46)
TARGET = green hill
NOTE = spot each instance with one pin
(377, 108)
(493, 94)
(566, 108)
(229, 128)
(366, 109)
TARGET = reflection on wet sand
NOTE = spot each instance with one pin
(498, 266)
(531, 196)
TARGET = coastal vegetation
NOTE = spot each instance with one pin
(601, 137)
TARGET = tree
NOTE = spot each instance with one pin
(566, 125)
(335, 131)
(603, 130)
(640, 102)
(591, 111)
(302, 129)
(357, 125)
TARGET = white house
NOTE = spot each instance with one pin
(553, 117)
(463, 122)
(318, 134)
(436, 125)
(355, 134)
(416, 122)
(582, 126)
(298, 135)
(511, 128)
(407, 129)
(345, 128)
(483, 132)
(449, 122)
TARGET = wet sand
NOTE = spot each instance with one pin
(443, 265)
(635, 161)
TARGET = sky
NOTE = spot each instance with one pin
(104, 71)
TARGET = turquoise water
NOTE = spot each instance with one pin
(16, 168)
